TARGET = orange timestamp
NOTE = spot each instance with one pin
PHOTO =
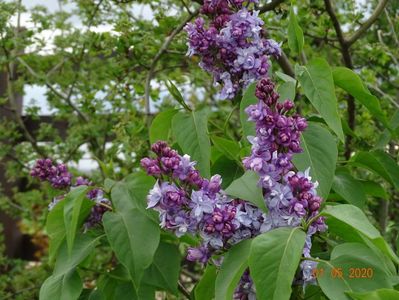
(339, 273)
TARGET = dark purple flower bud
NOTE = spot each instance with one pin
(151, 166)
(281, 121)
(158, 147)
(314, 206)
(301, 123)
(170, 163)
(195, 178)
(288, 105)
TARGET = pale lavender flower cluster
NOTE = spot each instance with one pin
(60, 178)
(231, 46)
(290, 196)
(188, 203)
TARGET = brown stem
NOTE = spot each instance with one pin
(183, 290)
(366, 25)
(346, 56)
(270, 6)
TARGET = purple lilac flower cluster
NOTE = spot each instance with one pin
(188, 203)
(59, 177)
(290, 195)
(231, 46)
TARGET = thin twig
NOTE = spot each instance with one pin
(351, 106)
(376, 88)
(270, 6)
(285, 64)
(80, 59)
(183, 290)
(10, 85)
(366, 25)
(53, 89)
(159, 54)
(395, 36)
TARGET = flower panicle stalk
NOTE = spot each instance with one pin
(290, 195)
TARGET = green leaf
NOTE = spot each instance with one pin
(340, 275)
(284, 77)
(132, 192)
(117, 285)
(191, 132)
(353, 85)
(228, 169)
(386, 135)
(380, 163)
(205, 289)
(234, 264)
(134, 238)
(229, 148)
(349, 188)
(246, 188)
(374, 189)
(65, 282)
(248, 99)
(77, 207)
(55, 228)
(381, 294)
(173, 90)
(351, 216)
(108, 184)
(274, 258)
(287, 91)
(63, 287)
(161, 126)
(164, 271)
(84, 246)
(317, 82)
(350, 223)
(295, 33)
(320, 154)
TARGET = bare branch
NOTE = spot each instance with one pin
(270, 6)
(366, 25)
(351, 106)
(159, 54)
(53, 89)
(395, 36)
(285, 65)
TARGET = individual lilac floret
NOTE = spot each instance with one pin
(231, 45)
